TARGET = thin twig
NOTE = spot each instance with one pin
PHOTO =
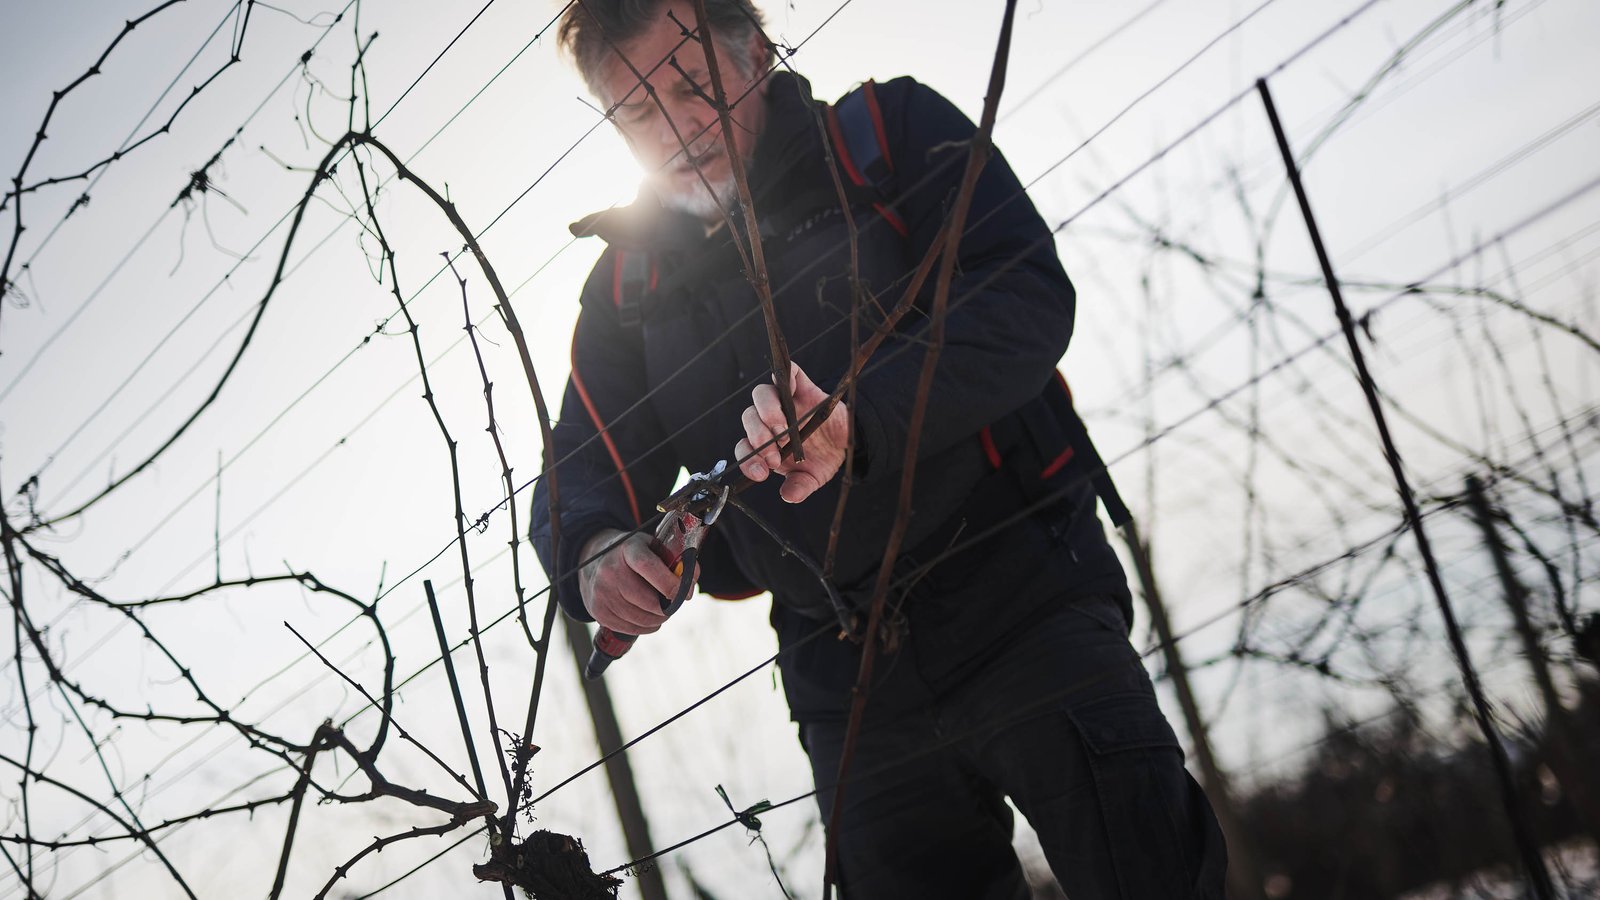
(777, 346)
(455, 466)
(379, 843)
(977, 156)
(39, 136)
(321, 173)
(406, 736)
(14, 577)
(500, 450)
(141, 834)
(299, 795)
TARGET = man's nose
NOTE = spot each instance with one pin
(693, 119)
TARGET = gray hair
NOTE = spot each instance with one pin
(589, 27)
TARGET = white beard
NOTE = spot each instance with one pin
(696, 201)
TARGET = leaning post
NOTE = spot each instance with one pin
(1527, 848)
(1244, 868)
(608, 734)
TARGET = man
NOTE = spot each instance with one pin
(1006, 671)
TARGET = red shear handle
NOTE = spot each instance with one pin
(608, 645)
(611, 645)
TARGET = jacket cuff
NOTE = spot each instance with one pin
(876, 450)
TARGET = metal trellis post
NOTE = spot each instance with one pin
(1532, 861)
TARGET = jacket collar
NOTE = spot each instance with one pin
(788, 137)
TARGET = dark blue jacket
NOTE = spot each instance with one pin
(669, 388)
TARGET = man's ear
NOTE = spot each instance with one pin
(759, 57)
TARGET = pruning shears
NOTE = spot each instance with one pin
(687, 513)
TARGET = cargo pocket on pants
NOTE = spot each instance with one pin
(1143, 794)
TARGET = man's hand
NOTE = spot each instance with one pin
(622, 588)
(763, 420)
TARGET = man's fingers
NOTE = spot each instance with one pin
(765, 403)
(642, 607)
(629, 604)
(760, 437)
(807, 399)
(798, 485)
(649, 567)
(625, 616)
(760, 454)
(629, 594)
(749, 461)
(806, 393)
(619, 619)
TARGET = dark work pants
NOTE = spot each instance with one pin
(1063, 721)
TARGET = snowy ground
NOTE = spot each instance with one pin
(1574, 866)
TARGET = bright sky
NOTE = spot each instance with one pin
(332, 464)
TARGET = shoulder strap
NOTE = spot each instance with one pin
(633, 273)
(859, 136)
(1057, 436)
(861, 145)
(1082, 446)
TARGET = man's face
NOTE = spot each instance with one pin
(650, 135)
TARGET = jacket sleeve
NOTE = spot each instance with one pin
(1010, 307)
(611, 462)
